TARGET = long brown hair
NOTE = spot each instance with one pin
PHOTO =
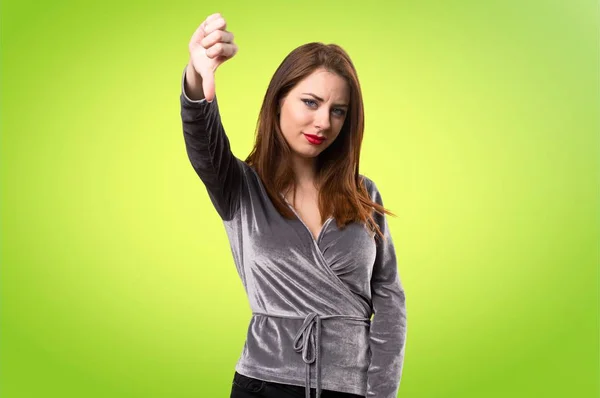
(342, 192)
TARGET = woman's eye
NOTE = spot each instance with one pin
(337, 111)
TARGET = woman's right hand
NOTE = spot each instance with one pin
(209, 47)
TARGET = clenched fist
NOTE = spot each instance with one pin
(210, 46)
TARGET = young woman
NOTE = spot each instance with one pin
(308, 233)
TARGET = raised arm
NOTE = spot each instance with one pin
(206, 143)
(387, 334)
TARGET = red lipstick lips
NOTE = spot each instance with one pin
(313, 139)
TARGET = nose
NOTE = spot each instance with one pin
(322, 119)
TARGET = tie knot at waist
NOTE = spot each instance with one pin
(308, 342)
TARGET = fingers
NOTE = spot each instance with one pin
(200, 32)
(217, 36)
(226, 50)
(216, 40)
(212, 17)
(209, 19)
(217, 23)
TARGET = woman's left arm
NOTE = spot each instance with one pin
(387, 336)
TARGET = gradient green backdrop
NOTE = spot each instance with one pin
(482, 124)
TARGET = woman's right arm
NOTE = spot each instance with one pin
(209, 151)
(206, 143)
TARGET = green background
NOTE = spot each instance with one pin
(482, 123)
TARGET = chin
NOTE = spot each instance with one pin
(307, 153)
(313, 154)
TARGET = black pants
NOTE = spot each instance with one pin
(249, 387)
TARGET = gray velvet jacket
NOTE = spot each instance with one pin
(327, 313)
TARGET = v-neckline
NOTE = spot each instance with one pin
(315, 240)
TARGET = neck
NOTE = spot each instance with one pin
(305, 170)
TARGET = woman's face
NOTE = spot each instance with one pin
(316, 106)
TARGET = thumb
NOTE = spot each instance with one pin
(208, 86)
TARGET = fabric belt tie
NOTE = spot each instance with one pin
(308, 343)
(305, 336)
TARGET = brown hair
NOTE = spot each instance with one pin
(342, 193)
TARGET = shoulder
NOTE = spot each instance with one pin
(372, 189)
(369, 184)
(366, 180)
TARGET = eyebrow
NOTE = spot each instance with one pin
(321, 99)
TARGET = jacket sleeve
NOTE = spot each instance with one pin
(387, 335)
(210, 154)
